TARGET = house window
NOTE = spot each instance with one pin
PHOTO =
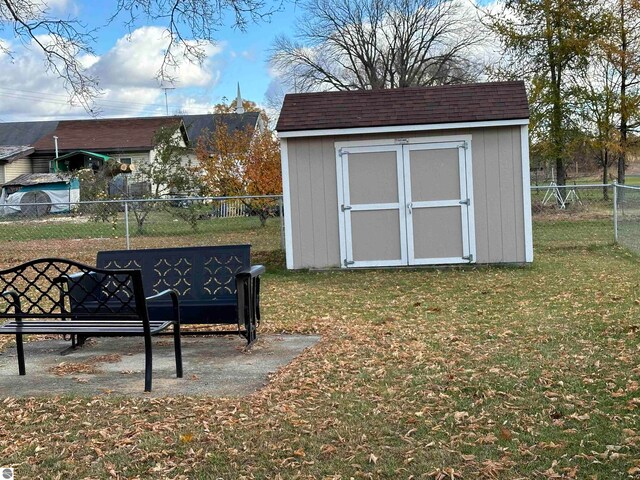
(125, 160)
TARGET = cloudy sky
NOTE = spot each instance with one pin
(127, 62)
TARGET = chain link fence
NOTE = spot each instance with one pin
(79, 230)
(586, 215)
(572, 215)
(563, 217)
(627, 217)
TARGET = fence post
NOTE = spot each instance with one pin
(126, 224)
(282, 241)
(615, 211)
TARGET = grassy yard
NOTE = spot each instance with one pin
(437, 374)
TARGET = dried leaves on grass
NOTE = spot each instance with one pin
(423, 374)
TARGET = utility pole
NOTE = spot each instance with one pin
(166, 101)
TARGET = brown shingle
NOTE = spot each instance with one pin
(404, 106)
(106, 134)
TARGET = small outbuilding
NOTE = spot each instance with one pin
(38, 194)
(413, 176)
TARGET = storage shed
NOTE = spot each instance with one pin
(413, 176)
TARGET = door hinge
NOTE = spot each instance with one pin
(465, 145)
(348, 262)
(345, 207)
(466, 202)
(342, 152)
(468, 257)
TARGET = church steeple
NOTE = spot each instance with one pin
(239, 107)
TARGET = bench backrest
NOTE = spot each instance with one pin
(202, 276)
(41, 289)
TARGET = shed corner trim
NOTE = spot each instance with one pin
(286, 200)
(526, 194)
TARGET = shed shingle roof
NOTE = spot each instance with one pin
(404, 106)
(106, 134)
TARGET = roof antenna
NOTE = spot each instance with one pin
(239, 107)
(166, 100)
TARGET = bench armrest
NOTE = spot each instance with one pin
(13, 296)
(174, 300)
(248, 288)
(14, 300)
(251, 272)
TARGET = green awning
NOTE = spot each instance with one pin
(98, 156)
(78, 160)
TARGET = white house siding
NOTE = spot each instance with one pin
(497, 190)
(16, 168)
(137, 158)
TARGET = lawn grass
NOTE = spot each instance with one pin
(487, 372)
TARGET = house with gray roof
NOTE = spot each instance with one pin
(30, 147)
(16, 146)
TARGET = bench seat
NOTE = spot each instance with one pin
(101, 328)
(58, 296)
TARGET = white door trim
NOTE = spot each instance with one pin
(461, 142)
(404, 141)
(471, 218)
(463, 159)
(344, 216)
(464, 194)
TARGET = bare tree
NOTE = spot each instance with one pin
(62, 41)
(373, 44)
(191, 26)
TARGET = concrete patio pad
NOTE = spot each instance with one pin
(216, 366)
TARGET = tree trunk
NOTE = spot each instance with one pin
(561, 172)
(622, 159)
(623, 97)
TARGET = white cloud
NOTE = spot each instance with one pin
(61, 8)
(58, 5)
(126, 76)
(136, 59)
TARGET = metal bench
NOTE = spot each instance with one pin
(58, 296)
(216, 285)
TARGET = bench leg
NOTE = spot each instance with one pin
(178, 349)
(252, 332)
(148, 364)
(20, 350)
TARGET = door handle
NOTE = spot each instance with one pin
(410, 207)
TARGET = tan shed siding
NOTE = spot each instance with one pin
(518, 197)
(331, 203)
(2, 180)
(314, 203)
(295, 158)
(497, 190)
(16, 168)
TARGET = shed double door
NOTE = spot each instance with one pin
(405, 204)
